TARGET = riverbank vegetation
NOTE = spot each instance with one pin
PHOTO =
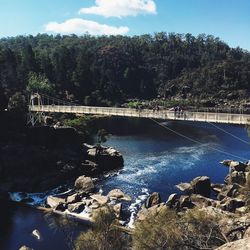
(109, 70)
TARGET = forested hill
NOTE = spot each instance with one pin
(108, 70)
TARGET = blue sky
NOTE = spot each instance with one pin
(227, 19)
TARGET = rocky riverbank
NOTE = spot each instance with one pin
(228, 203)
(41, 158)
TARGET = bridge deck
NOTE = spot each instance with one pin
(145, 113)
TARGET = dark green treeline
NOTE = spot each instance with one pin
(107, 70)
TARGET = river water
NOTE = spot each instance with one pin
(155, 160)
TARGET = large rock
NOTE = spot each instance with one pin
(237, 166)
(53, 201)
(185, 187)
(172, 200)
(106, 157)
(73, 198)
(185, 202)
(201, 185)
(231, 204)
(152, 200)
(237, 177)
(102, 200)
(85, 184)
(217, 187)
(118, 194)
(243, 244)
(201, 201)
(76, 207)
(228, 191)
(118, 210)
(25, 248)
(144, 212)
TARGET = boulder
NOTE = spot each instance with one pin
(90, 167)
(118, 210)
(217, 187)
(228, 191)
(230, 204)
(85, 184)
(53, 201)
(172, 200)
(94, 204)
(106, 157)
(243, 244)
(118, 194)
(61, 207)
(226, 162)
(73, 198)
(242, 210)
(25, 248)
(185, 202)
(237, 177)
(247, 233)
(144, 212)
(237, 166)
(76, 207)
(202, 201)
(185, 187)
(152, 200)
(102, 200)
(201, 185)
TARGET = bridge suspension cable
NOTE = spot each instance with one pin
(198, 142)
(234, 136)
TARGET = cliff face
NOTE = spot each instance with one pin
(39, 158)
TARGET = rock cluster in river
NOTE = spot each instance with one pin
(231, 204)
(83, 202)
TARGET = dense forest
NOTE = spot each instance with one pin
(108, 70)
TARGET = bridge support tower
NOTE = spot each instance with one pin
(34, 117)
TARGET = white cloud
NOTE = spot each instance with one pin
(120, 8)
(80, 26)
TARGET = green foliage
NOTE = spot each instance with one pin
(18, 103)
(158, 231)
(83, 124)
(104, 235)
(134, 104)
(102, 135)
(113, 69)
(166, 230)
(38, 83)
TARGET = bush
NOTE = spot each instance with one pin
(18, 103)
(167, 230)
(158, 231)
(105, 235)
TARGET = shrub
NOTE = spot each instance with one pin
(104, 235)
(167, 230)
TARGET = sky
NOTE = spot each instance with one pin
(227, 19)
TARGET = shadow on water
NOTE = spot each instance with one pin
(17, 223)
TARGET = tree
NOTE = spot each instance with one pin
(104, 235)
(39, 83)
(18, 103)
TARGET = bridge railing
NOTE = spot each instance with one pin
(146, 113)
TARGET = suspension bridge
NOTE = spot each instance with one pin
(39, 105)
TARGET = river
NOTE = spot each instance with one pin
(156, 159)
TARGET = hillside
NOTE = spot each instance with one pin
(109, 70)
